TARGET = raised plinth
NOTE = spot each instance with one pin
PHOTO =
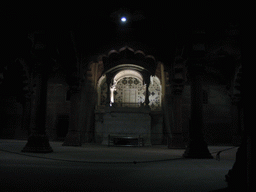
(129, 122)
(38, 143)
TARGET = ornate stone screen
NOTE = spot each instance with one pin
(130, 91)
(155, 94)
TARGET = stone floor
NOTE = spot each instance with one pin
(94, 167)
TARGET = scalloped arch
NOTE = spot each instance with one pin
(127, 55)
(128, 73)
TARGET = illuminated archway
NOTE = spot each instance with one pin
(128, 90)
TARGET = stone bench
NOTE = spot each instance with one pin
(125, 140)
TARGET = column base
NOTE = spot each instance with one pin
(238, 176)
(176, 142)
(197, 149)
(37, 143)
(73, 138)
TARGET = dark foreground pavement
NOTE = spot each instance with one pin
(101, 168)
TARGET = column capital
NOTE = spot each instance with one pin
(74, 83)
(179, 75)
(177, 89)
(27, 97)
(235, 100)
(75, 89)
(196, 67)
(43, 65)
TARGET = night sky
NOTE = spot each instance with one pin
(154, 27)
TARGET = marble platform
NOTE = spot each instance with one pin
(125, 122)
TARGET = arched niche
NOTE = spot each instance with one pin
(127, 89)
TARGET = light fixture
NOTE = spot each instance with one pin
(123, 19)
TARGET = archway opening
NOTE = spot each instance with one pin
(128, 89)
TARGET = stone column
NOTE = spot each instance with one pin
(147, 81)
(237, 132)
(240, 174)
(86, 116)
(108, 80)
(26, 115)
(177, 140)
(38, 141)
(168, 115)
(197, 147)
(73, 137)
(177, 81)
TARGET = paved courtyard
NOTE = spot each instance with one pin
(94, 167)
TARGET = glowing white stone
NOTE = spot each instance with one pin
(123, 19)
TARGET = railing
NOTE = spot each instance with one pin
(132, 105)
(125, 140)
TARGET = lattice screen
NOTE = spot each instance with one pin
(134, 83)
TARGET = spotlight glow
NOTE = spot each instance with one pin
(123, 19)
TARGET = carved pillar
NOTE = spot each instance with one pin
(147, 81)
(38, 141)
(86, 114)
(197, 147)
(108, 80)
(73, 137)
(236, 123)
(178, 79)
(26, 101)
(26, 115)
(177, 140)
(240, 174)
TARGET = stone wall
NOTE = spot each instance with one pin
(129, 122)
(156, 127)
